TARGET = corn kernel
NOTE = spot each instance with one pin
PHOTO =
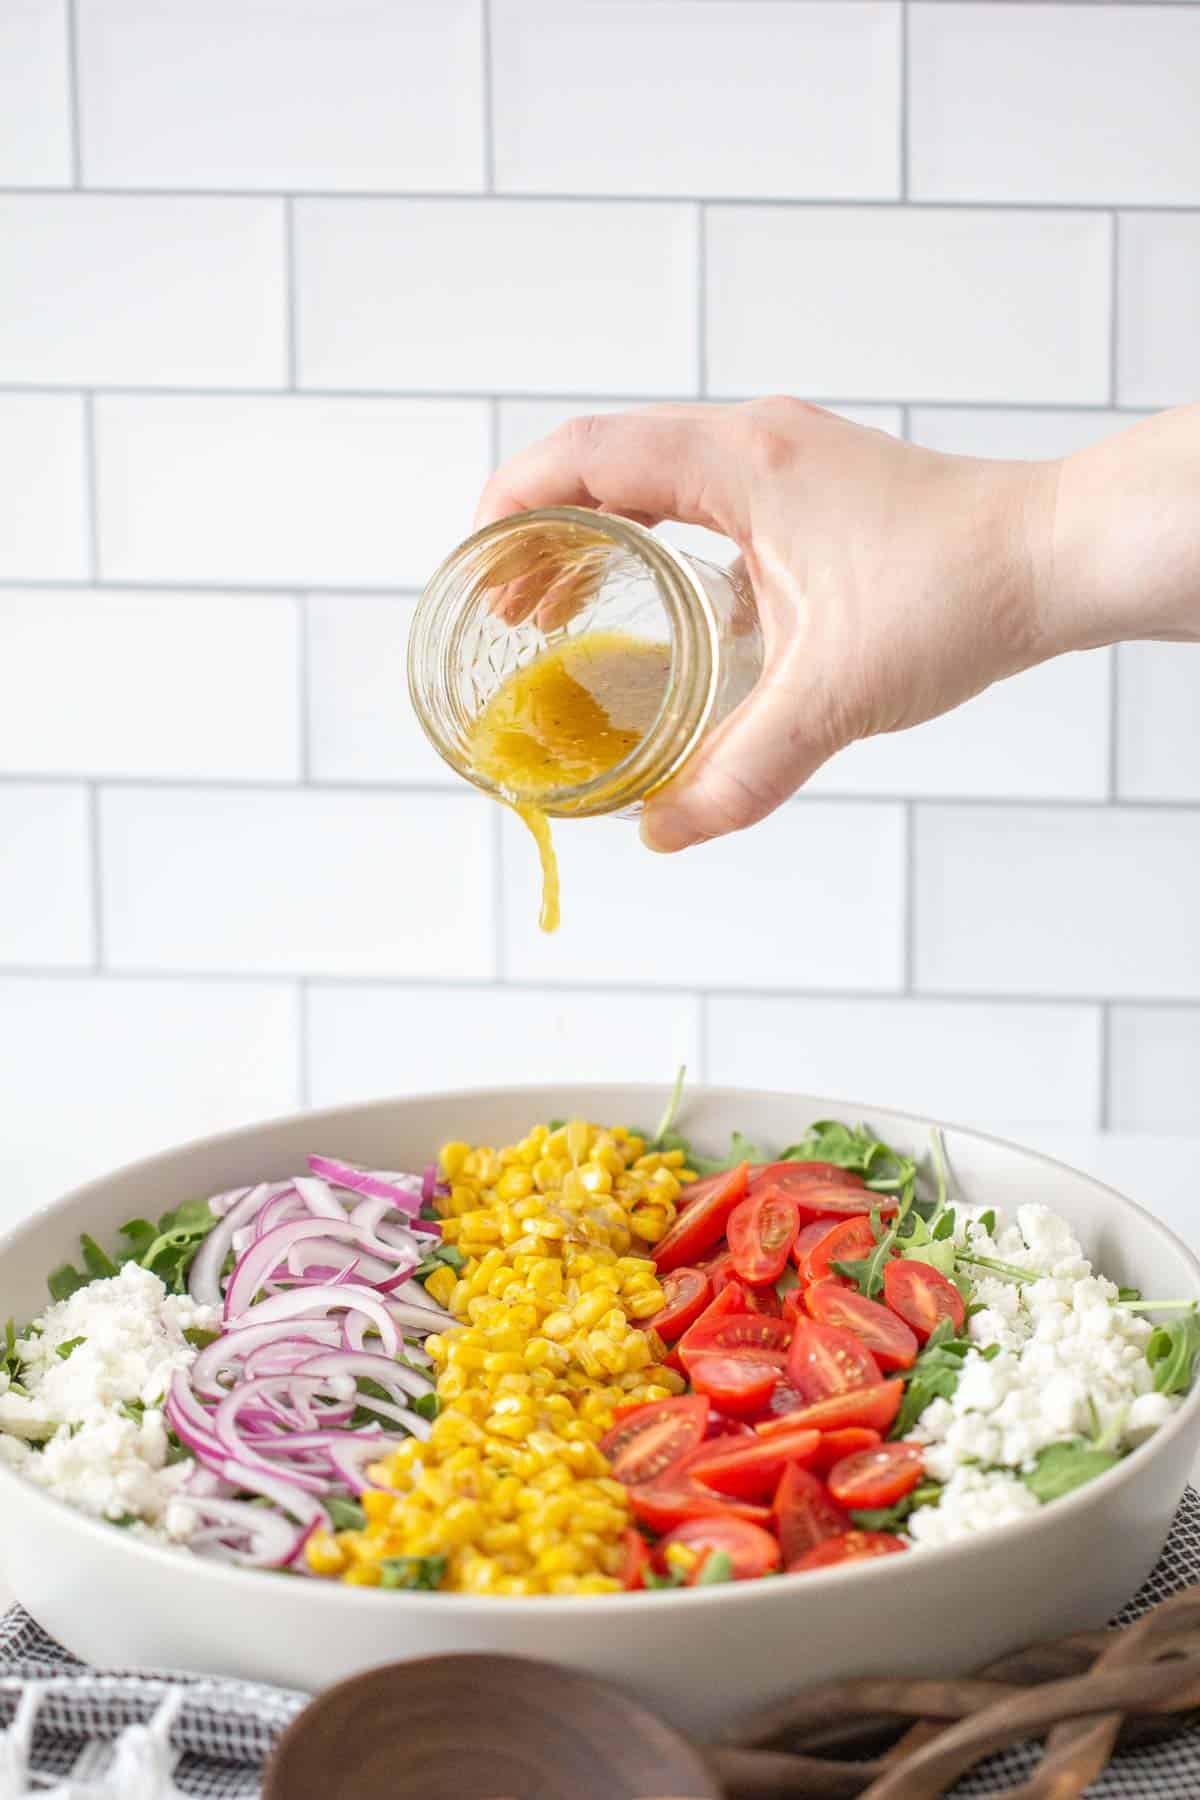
(324, 1555)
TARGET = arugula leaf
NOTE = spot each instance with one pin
(166, 1249)
(427, 1406)
(886, 1170)
(987, 1222)
(934, 1376)
(346, 1515)
(867, 1271)
(11, 1364)
(787, 1281)
(672, 1579)
(1062, 1467)
(415, 1572)
(555, 1124)
(1126, 1296)
(199, 1338)
(132, 1409)
(444, 1256)
(65, 1349)
(717, 1566)
(1172, 1351)
(891, 1518)
(667, 1122)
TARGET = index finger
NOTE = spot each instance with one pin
(668, 462)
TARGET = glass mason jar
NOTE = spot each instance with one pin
(533, 581)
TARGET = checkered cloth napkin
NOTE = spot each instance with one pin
(89, 1734)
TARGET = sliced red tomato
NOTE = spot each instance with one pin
(922, 1296)
(796, 1177)
(805, 1514)
(751, 1471)
(650, 1438)
(832, 1201)
(736, 1384)
(635, 1559)
(827, 1359)
(887, 1337)
(834, 1446)
(877, 1477)
(729, 1301)
(784, 1401)
(852, 1546)
(874, 1407)
(707, 1184)
(793, 1307)
(688, 1292)
(677, 1495)
(702, 1222)
(758, 1336)
(843, 1241)
(721, 1428)
(721, 1275)
(751, 1550)
(761, 1231)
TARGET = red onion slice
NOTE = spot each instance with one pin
(260, 1260)
(379, 1183)
(237, 1532)
(204, 1281)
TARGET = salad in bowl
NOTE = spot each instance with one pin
(590, 1361)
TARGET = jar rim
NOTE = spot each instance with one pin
(695, 648)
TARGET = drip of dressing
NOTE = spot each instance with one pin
(571, 714)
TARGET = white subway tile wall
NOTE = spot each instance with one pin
(280, 284)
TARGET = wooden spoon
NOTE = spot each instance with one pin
(482, 1728)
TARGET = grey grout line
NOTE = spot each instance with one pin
(303, 1037)
(1114, 301)
(904, 101)
(488, 97)
(791, 203)
(126, 392)
(91, 501)
(1114, 725)
(1104, 1096)
(906, 413)
(493, 435)
(462, 793)
(95, 875)
(701, 300)
(303, 689)
(290, 294)
(74, 95)
(909, 921)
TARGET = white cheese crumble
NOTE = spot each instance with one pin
(1070, 1363)
(70, 1431)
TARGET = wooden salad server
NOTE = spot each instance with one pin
(508, 1728)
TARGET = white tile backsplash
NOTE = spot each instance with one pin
(683, 97)
(1154, 1068)
(334, 94)
(42, 478)
(98, 1072)
(957, 1059)
(908, 303)
(278, 286)
(149, 683)
(785, 905)
(142, 291)
(1094, 104)
(1014, 900)
(361, 725)
(35, 113)
(327, 883)
(1158, 722)
(45, 876)
(500, 295)
(365, 1041)
(1158, 281)
(287, 491)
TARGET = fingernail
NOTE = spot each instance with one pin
(665, 829)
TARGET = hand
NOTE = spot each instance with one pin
(892, 583)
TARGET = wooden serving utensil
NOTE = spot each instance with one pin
(505, 1728)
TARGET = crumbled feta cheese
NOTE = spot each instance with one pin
(91, 1422)
(1068, 1363)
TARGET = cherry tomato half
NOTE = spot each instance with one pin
(887, 1337)
(843, 1241)
(795, 1177)
(877, 1477)
(652, 1437)
(922, 1296)
(826, 1360)
(635, 1559)
(751, 1550)
(731, 1299)
(761, 1231)
(688, 1292)
(677, 1495)
(874, 1407)
(702, 1222)
(833, 1200)
(834, 1446)
(737, 1384)
(805, 1514)
(751, 1471)
(754, 1335)
(852, 1546)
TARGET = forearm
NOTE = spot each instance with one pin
(1123, 554)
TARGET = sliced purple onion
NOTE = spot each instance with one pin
(237, 1532)
(403, 1191)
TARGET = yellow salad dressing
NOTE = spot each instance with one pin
(572, 714)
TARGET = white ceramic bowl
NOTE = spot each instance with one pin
(701, 1657)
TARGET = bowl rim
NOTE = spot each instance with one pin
(247, 1581)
